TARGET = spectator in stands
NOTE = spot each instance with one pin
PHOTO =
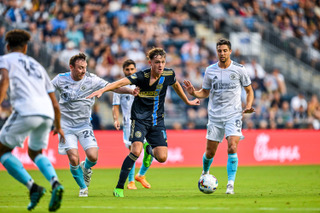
(59, 23)
(2, 40)
(285, 116)
(314, 112)
(64, 56)
(275, 81)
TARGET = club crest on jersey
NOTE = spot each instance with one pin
(133, 76)
(83, 88)
(233, 76)
(138, 134)
(159, 86)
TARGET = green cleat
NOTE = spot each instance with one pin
(117, 192)
(56, 197)
(36, 193)
(146, 157)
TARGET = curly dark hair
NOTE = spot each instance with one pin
(17, 38)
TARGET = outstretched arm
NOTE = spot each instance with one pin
(109, 87)
(176, 86)
(4, 83)
(250, 97)
(202, 93)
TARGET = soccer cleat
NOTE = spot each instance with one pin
(56, 197)
(83, 192)
(117, 192)
(131, 185)
(146, 157)
(204, 173)
(230, 189)
(36, 192)
(143, 181)
(87, 173)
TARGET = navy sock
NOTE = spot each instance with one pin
(125, 169)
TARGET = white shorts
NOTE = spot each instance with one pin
(17, 128)
(85, 137)
(217, 130)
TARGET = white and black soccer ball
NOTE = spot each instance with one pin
(208, 183)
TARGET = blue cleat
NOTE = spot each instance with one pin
(56, 197)
(36, 192)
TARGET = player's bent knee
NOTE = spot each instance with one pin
(161, 159)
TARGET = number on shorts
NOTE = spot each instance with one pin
(87, 133)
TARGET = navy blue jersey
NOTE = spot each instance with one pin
(149, 105)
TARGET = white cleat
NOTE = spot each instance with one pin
(83, 192)
(87, 173)
(230, 189)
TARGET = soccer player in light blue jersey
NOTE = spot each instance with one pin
(223, 82)
(125, 101)
(35, 109)
(73, 87)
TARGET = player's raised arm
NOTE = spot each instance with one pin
(202, 93)
(176, 86)
(109, 87)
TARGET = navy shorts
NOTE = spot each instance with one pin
(155, 135)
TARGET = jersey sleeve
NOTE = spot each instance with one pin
(55, 81)
(49, 86)
(3, 63)
(172, 78)
(116, 99)
(244, 78)
(206, 80)
(136, 78)
(98, 82)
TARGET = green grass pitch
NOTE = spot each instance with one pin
(257, 189)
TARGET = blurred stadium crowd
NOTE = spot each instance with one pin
(111, 31)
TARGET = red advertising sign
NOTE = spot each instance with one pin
(186, 148)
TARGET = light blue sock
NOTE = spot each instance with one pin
(45, 166)
(232, 166)
(15, 168)
(131, 173)
(88, 164)
(206, 163)
(78, 176)
(144, 169)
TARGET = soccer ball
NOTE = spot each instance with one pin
(208, 183)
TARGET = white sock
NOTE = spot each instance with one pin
(29, 184)
(231, 182)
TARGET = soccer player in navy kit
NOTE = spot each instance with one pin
(147, 112)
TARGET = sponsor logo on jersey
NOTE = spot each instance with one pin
(148, 93)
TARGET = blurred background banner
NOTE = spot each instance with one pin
(186, 147)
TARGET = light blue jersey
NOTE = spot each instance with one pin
(75, 108)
